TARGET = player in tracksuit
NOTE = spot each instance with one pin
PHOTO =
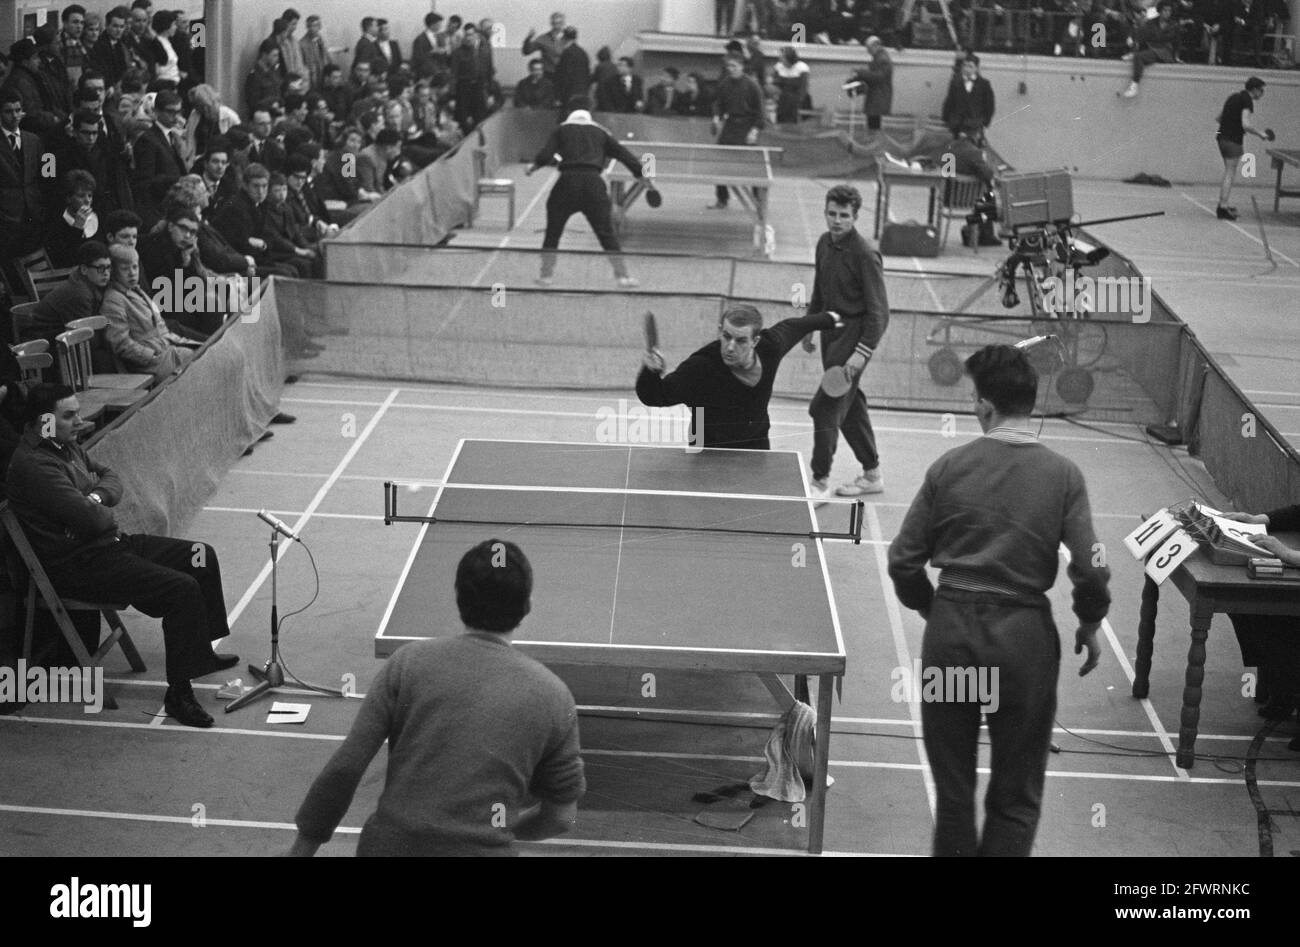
(582, 148)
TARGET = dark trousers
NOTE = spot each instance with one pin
(1144, 58)
(580, 192)
(173, 579)
(847, 413)
(873, 123)
(1272, 644)
(982, 630)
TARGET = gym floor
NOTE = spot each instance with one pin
(143, 785)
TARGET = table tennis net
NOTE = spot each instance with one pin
(596, 508)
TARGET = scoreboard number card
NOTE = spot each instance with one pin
(1153, 531)
(1170, 556)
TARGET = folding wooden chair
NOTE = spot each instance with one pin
(39, 283)
(116, 380)
(41, 594)
(76, 372)
(21, 318)
(486, 185)
(960, 194)
(33, 364)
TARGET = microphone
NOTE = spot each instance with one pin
(277, 525)
(1023, 344)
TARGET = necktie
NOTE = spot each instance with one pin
(16, 142)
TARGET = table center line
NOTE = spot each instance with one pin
(618, 563)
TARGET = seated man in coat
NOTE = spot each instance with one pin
(136, 331)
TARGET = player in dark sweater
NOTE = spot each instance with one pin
(737, 113)
(1234, 126)
(582, 148)
(991, 516)
(850, 280)
(728, 383)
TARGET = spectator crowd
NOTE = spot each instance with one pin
(1228, 32)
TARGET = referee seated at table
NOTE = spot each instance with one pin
(1271, 643)
(474, 729)
(727, 384)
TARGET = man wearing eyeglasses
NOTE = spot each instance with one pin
(158, 161)
(170, 266)
(79, 296)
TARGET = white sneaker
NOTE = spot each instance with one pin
(819, 489)
(545, 281)
(628, 282)
(1131, 92)
(869, 482)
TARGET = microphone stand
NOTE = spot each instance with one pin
(271, 676)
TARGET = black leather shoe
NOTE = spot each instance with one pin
(223, 662)
(1294, 744)
(184, 708)
(266, 436)
(291, 379)
(282, 418)
(1224, 213)
(1277, 709)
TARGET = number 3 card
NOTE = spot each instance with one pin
(1169, 556)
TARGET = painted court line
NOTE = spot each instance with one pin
(316, 501)
(902, 654)
(1148, 708)
(592, 416)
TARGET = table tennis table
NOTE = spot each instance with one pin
(644, 556)
(1281, 158)
(745, 171)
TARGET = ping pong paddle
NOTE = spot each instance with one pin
(1268, 133)
(651, 332)
(837, 380)
(652, 196)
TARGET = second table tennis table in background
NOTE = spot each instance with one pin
(745, 171)
(647, 557)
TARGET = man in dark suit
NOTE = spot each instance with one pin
(263, 82)
(573, 70)
(242, 220)
(365, 48)
(212, 168)
(39, 102)
(662, 97)
(694, 100)
(429, 51)
(969, 105)
(111, 55)
(468, 80)
(158, 162)
(620, 92)
(264, 149)
(388, 55)
(535, 91)
(85, 148)
(21, 205)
